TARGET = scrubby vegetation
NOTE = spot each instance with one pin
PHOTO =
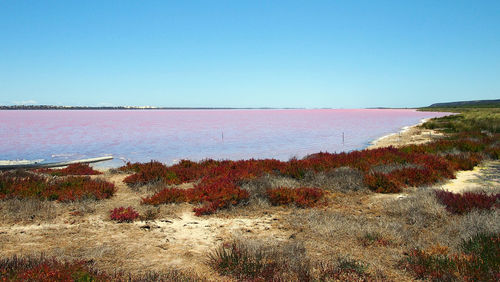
(468, 201)
(302, 197)
(42, 268)
(72, 169)
(260, 261)
(479, 260)
(47, 269)
(122, 214)
(22, 185)
(469, 119)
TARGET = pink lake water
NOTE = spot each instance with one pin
(171, 135)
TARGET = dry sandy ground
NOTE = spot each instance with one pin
(177, 239)
(483, 177)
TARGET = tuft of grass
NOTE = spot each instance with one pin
(479, 260)
(343, 179)
(27, 210)
(261, 261)
(345, 269)
(373, 238)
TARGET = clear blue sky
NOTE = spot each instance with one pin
(340, 54)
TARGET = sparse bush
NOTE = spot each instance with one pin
(343, 179)
(303, 197)
(466, 202)
(67, 189)
(72, 169)
(478, 261)
(345, 269)
(27, 209)
(373, 238)
(381, 183)
(476, 222)
(421, 209)
(257, 188)
(261, 261)
(150, 214)
(47, 269)
(166, 196)
(149, 172)
(51, 269)
(216, 195)
(464, 161)
(122, 214)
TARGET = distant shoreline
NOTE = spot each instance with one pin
(50, 107)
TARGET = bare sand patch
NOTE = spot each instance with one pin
(409, 135)
(484, 177)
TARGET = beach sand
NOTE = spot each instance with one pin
(408, 135)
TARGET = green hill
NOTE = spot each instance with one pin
(469, 104)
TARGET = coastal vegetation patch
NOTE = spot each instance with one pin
(72, 169)
(41, 268)
(468, 201)
(384, 170)
(123, 214)
(479, 260)
(27, 185)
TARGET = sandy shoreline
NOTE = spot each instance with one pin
(473, 180)
(413, 134)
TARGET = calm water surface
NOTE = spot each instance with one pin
(170, 135)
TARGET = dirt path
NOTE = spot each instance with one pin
(485, 176)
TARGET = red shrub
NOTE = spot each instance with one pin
(151, 172)
(466, 202)
(72, 169)
(42, 269)
(493, 152)
(216, 194)
(381, 183)
(210, 208)
(122, 214)
(166, 196)
(302, 197)
(478, 261)
(71, 188)
(464, 161)
(414, 176)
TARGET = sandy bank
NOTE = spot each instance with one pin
(408, 135)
